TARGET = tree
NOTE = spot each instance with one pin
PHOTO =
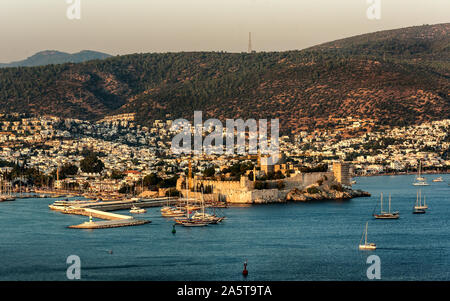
(91, 164)
(68, 170)
(151, 180)
(209, 172)
(117, 175)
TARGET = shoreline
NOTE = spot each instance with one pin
(404, 173)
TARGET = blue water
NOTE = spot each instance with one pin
(301, 241)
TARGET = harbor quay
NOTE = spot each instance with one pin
(100, 210)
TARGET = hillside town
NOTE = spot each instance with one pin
(115, 154)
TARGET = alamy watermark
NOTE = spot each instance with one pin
(74, 10)
(235, 130)
(374, 10)
(374, 270)
(74, 270)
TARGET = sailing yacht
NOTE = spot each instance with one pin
(8, 197)
(205, 217)
(419, 201)
(419, 177)
(420, 181)
(419, 208)
(389, 214)
(188, 221)
(366, 245)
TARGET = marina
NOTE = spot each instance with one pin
(307, 241)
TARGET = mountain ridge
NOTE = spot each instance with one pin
(47, 57)
(305, 89)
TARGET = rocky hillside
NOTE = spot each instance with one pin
(394, 77)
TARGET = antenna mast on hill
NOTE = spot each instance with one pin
(249, 42)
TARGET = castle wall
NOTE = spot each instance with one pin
(242, 192)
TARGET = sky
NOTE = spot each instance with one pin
(134, 26)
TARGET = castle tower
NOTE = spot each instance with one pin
(341, 173)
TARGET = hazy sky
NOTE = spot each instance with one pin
(129, 26)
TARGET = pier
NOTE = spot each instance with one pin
(96, 213)
(127, 204)
(110, 224)
(100, 210)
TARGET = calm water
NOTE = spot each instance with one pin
(314, 241)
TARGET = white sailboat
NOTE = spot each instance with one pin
(366, 245)
(384, 214)
(419, 177)
(8, 196)
(189, 222)
(420, 181)
(419, 205)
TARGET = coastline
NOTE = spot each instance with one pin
(404, 173)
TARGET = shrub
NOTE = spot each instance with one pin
(337, 187)
(312, 190)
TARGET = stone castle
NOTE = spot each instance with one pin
(243, 191)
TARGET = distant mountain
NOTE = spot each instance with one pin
(48, 57)
(395, 77)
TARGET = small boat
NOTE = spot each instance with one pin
(387, 215)
(366, 245)
(135, 209)
(419, 205)
(439, 179)
(181, 219)
(421, 183)
(194, 224)
(166, 208)
(206, 218)
(172, 213)
(7, 199)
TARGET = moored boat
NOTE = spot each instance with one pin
(389, 214)
(135, 209)
(419, 204)
(366, 245)
(194, 224)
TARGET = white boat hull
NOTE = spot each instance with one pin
(420, 207)
(367, 247)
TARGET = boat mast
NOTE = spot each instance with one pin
(365, 241)
(420, 197)
(389, 202)
(203, 205)
(187, 201)
(381, 202)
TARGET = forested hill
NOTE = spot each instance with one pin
(48, 57)
(352, 77)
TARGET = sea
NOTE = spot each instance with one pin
(292, 241)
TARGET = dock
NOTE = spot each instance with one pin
(110, 224)
(127, 204)
(109, 219)
(95, 213)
